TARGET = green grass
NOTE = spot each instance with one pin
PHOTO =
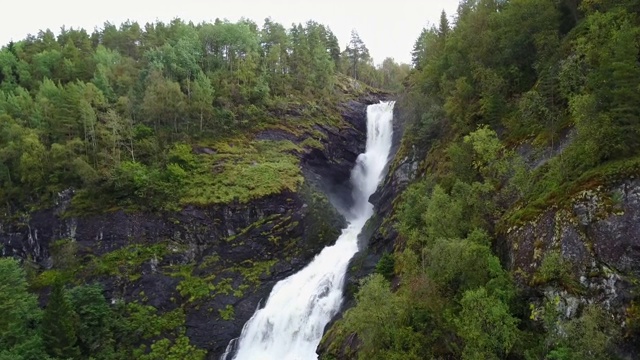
(269, 219)
(193, 287)
(251, 270)
(309, 114)
(126, 262)
(147, 322)
(550, 191)
(311, 142)
(241, 171)
(228, 313)
(198, 287)
(123, 263)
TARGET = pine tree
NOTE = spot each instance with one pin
(419, 49)
(333, 47)
(95, 320)
(443, 29)
(20, 312)
(58, 325)
(356, 52)
(300, 58)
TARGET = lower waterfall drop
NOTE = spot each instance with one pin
(290, 325)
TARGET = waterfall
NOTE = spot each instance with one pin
(290, 325)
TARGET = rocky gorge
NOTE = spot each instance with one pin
(216, 263)
(579, 252)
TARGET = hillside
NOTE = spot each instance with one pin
(507, 227)
(157, 181)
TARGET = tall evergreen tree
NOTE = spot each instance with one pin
(443, 28)
(356, 53)
(20, 312)
(58, 325)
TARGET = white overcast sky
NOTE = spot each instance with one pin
(388, 28)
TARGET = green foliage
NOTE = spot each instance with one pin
(125, 262)
(591, 334)
(194, 287)
(93, 327)
(48, 278)
(425, 218)
(64, 252)
(555, 268)
(179, 349)
(604, 114)
(487, 327)
(127, 117)
(143, 321)
(228, 313)
(58, 325)
(376, 317)
(558, 187)
(475, 266)
(164, 331)
(243, 172)
(252, 271)
(443, 216)
(19, 336)
(412, 206)
(115, 114)
(454, 296)
(385, 266)
(487, 154)
(510, 75)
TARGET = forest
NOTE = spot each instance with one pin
(503, 74)
(109, 113)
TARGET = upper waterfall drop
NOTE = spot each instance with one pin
(290, 325)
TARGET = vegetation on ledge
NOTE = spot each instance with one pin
(116, 115)
(242, 172)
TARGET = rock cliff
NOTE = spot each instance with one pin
(597, 238)
(217, 262)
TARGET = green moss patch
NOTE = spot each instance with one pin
(551, 192)
(126, 262)
(241, 171)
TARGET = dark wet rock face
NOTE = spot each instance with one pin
(535, 157)
(617, 237)
(241, 249)
(277, 233)
(598, 236)
(331, 169)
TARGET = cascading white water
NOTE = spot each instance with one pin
(290, 325)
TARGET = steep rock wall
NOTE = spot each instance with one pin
(239, 250)
(598, 238)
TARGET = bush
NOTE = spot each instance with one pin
(555, 268)
(487, 327)
(588, 337)
(385, 266)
